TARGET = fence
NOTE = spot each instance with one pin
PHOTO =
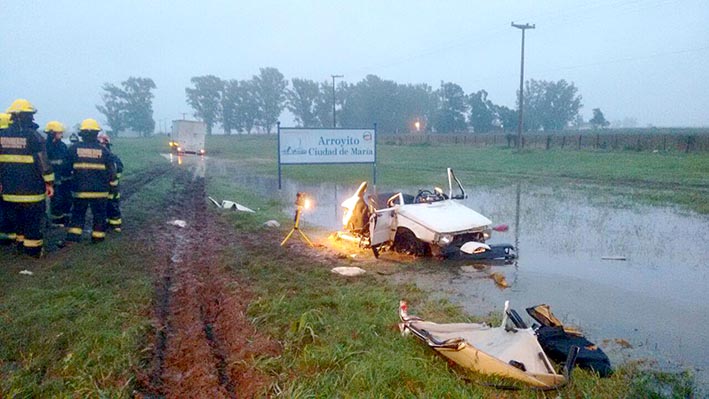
(696, 140)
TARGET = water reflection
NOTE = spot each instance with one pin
(655, 299)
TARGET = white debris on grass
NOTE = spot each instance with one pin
(348, 271)
(272, 223)
(178, 223)
(226, 204)
(26, 272)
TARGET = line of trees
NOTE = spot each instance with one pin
(239, 105)
(245, 106)
(130, 106)
(256, 104)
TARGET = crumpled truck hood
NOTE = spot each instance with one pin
(444, 216)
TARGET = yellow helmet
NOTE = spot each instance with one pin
(4, 121)
(54, 127)
(90, 124)
(20, 105)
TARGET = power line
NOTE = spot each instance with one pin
(558, 18)
(630, 59)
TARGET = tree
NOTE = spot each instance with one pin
(269, 88)
(230, 101)
(482, 112)
(598, 119)
(323, 103)
(139, 97)
(369, 101)
(452, 108)
(247, 108)
(577, 122)
(129, 107)
(550, 105)
(114, 107)
(302, 101)
(206, 99)
(417, 103)
(507, 118)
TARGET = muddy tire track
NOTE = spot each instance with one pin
(140, 179)
(203, 341)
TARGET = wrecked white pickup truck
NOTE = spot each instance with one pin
(431, 223)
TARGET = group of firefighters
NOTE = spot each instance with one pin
(74, 178)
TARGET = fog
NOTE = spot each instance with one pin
(646, 60)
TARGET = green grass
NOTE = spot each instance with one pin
(660, 178)
(76, 327)
(340, 337)
(140, 153)
(79, 326)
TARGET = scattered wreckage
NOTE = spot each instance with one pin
(510, 351)
(226, 204)
(431, 223)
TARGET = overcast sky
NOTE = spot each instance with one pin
(642, 59)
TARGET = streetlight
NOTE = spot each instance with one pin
(521, 85)
(334, 120)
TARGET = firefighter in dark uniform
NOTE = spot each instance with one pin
(113, 208)
(93, 179)
(4, 124)
(60, 203)
(26, 177)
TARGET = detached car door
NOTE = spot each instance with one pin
(382, 226)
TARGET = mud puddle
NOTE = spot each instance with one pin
(203, 343)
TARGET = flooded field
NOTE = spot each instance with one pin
(654, 300)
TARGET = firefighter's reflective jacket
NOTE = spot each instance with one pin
(24, 166)
(92, 170)
(119, 172)
(57, 152)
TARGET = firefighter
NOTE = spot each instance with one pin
(4, 124)
(60, 203)
(113, 208)
(93, 179)
(26, 177)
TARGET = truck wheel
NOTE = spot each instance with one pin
(406, 242)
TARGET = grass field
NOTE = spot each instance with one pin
(78, 326)
(665, 178)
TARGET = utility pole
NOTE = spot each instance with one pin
(521, 85)
(334, 120)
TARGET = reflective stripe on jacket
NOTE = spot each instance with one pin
(92, 170)
(24, 166)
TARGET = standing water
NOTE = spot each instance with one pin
(621, 271)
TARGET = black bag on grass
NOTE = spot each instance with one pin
(557, 340)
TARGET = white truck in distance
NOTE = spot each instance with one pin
(187, 137)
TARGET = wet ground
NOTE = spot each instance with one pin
(650, 305)
(204, 341)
